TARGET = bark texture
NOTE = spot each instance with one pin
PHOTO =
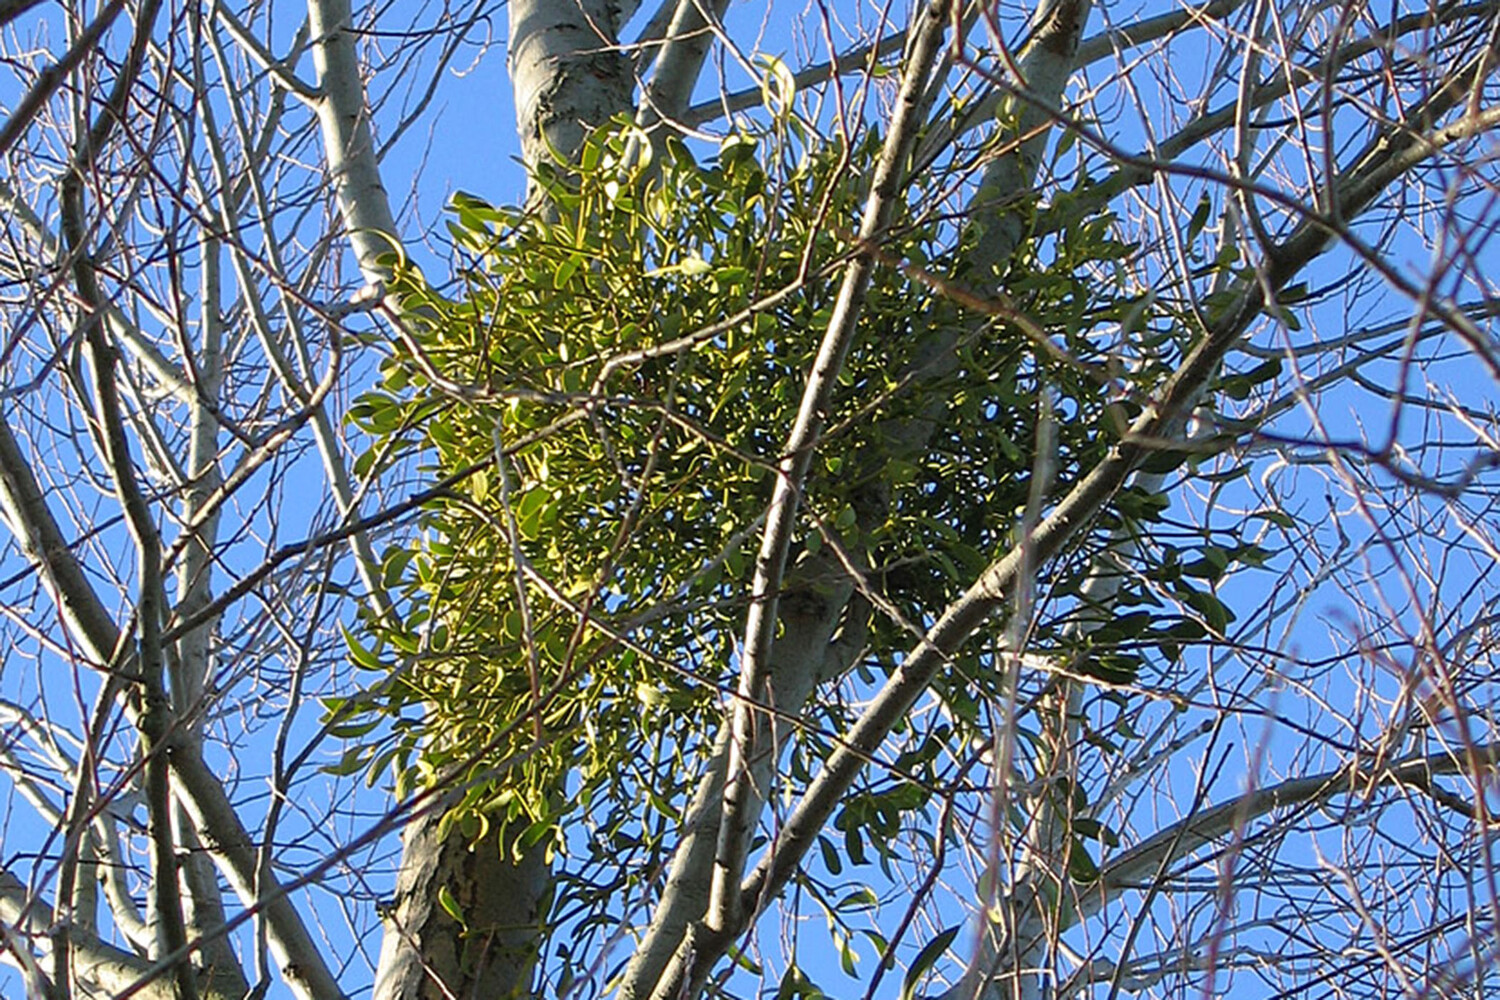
(569, 77)
(568, 74)
(427, 954)
(821, 616)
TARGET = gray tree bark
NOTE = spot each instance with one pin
(428, 954)
(569, 77)
(469, 917)
(812, 647)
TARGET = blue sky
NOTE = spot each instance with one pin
(466, 141)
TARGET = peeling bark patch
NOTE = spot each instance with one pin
(568, 71)
(565, 106)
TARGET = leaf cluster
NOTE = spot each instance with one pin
(608, 387)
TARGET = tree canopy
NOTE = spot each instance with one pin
(956, 501)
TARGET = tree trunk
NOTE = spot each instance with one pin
(568, 74)
(503, 903)
(569, 77)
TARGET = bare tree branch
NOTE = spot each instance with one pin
(1393, 152)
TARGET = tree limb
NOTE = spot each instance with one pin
(1159, 851)
(348, 143)
(99, 964)
(679, 61)
(802, 655)
(201, 792)
(1394, 150)
(750, 729)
